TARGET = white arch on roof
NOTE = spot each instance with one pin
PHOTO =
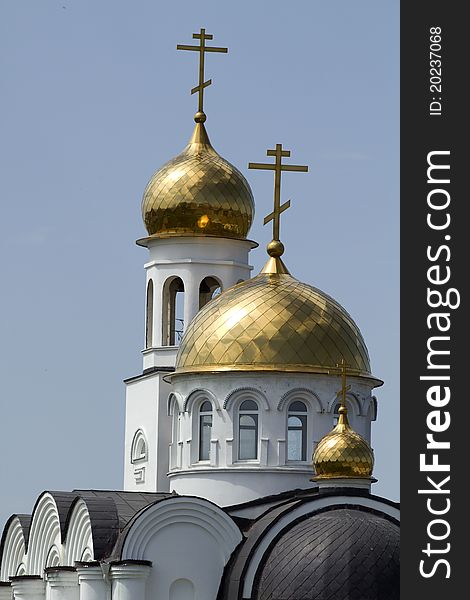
(197, 532)
(79, 542)
(195, 512)
(14, 550)
(45, 543)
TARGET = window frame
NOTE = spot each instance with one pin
(201, 415)
(303, 428)
(138, 439)
(256, 414)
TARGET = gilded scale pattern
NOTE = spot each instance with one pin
(343, 453)
(198, 192)
(272, 322)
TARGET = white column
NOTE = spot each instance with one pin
(6, 593)
(191, 297)
(93, 585)
(128, 578)
(28, 587)
(61, 583)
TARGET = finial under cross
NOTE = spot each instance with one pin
(202, 36)
(277, 167)
(343, 366)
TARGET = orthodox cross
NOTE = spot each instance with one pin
(202, 36)
(344, 388)
(277, 167)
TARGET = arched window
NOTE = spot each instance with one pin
(297, 431)
(248, 430)
(139, 447)
(173, 311)
(149, 316)
(208, 289)
(205, 429)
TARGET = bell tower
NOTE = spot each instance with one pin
(197, 210)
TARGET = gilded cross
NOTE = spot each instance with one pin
(202, 36)
(277, 167)
(344, 388)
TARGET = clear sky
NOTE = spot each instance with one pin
(94, 98)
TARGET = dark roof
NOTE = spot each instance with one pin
(344, 554)
(277, 506)
(127, 503)
(63, 502)
(109, 511)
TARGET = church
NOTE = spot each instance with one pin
(248, 466)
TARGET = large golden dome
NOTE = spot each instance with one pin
(343, 453)
(273, 322)
(199, 193)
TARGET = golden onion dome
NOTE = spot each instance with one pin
(273, 322)
(198, 193)
(343, 453)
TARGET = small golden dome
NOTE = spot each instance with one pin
(343, 453)
(273, 322)
(198, 193)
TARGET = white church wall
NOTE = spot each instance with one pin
(146, 411)
(189, 542)
(224, 478)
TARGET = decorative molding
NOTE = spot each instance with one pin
(177, 511)
(213, 456)
(174, 398)
(302, 394)
(263, 451)
(374, 406)
(53, 557)
(351, 399)
(245, 393)
(79, 534)
(14, 550)
(199, 395)
(139, 475)
(139, 439)
(197, 261)
(44, 536)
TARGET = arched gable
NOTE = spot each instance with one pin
(79, 540)
(197, 532)
(13, 546)
(45, 534)
(180, 510)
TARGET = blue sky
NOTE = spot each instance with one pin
(95, 98)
